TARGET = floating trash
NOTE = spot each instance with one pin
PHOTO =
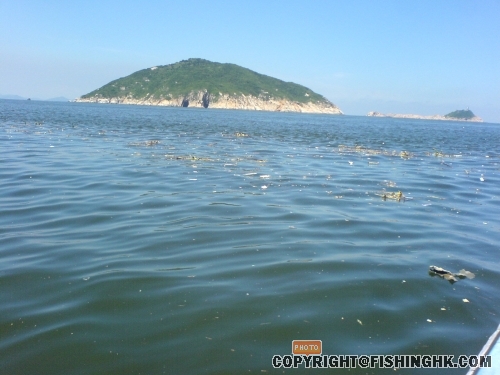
(238, 134)
(187, 157)
(450, 276)
(398, 195)
(405, 154)
(440, 154)
(370, 151)
(149, 143)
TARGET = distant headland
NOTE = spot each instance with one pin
(458, 115)
(205, 84)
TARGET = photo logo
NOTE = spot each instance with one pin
(307, 347)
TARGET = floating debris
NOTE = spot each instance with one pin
(465, 300)
(405, 154)
(360, 322)
(450, 276)
(463, 273)
(187, 157)
(238, 134)
(398, 195)
(153, 142)
(440, 154)
(370, 151)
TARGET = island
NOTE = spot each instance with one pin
(204, 84)
(458, 115)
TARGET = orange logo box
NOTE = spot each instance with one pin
(307, 347)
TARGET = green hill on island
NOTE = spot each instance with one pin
(461, 114)
(184, 77)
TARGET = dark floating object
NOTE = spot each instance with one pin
(450, 276)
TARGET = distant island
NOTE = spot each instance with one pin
(17, 97)
(458, 115)
(205, 84)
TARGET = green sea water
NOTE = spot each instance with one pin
(146, 240)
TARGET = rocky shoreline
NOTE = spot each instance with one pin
(202, 99)
(419, 117)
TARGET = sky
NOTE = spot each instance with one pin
(422, 57)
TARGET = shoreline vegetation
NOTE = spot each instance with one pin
(204, 84)
(458, 115)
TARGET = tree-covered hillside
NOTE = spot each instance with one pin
(461, 114)
(184, 77)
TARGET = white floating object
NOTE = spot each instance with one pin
(430, 321)
(465, 300)
(351, 163)
(360, 322)
(481, 178)
(263, 187)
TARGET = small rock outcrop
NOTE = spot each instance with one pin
(419, 117)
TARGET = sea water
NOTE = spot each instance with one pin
(148, 240)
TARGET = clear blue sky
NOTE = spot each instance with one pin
(424, 57)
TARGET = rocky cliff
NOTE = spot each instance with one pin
(419, 117)
(202, 99)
